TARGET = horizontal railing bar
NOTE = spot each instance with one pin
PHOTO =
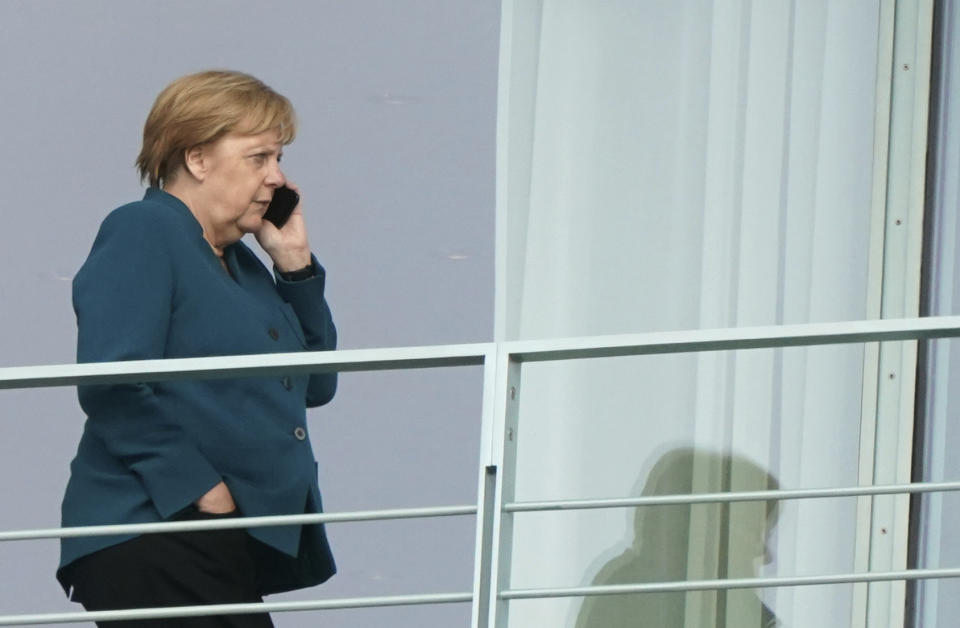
(447, 511)
(736, 338)
(256, 365)
(235, 609)
(744, 496)
(732, 583)
(239, 522)
(261, 365)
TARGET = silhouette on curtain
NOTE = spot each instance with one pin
(668, 539)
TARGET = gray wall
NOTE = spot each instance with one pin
(396, 159)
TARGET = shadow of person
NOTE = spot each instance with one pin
(690, 542)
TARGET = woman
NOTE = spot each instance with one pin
(168, 277)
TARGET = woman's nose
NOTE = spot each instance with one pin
(275, 177)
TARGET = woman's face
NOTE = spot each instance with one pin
(240, 174)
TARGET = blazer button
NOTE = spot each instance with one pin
(274, 333)
(287, 383)
(300, 433)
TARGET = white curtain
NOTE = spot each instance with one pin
(939, 600)
(676, 165)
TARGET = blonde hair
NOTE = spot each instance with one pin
(201, 108)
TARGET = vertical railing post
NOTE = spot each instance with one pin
(486, 495)
(483, 561)
(506, 401)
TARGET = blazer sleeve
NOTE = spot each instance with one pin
(123, 297)
(308, 301)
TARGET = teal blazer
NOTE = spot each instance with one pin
(153, 288)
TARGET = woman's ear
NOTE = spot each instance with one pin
(194, 163)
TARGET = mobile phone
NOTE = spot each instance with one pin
(281, 206)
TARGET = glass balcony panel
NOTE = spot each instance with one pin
(664, 610)
(390, 439)
(676, 424)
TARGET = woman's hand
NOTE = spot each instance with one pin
(217, 500)
(287, 247)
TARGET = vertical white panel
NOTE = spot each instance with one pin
(901, 298)
(516, 99)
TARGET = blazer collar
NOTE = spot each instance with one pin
(179, 207)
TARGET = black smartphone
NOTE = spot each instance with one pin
(281, 206)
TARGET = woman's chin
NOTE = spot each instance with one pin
(250, 224)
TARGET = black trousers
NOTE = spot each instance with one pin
(172, 569)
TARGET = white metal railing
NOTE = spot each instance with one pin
(730, 583)
(239, 522)
(234, 609)
(495, 506)
(729, 497)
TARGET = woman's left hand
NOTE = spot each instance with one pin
(217, 500)
(287, 247)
